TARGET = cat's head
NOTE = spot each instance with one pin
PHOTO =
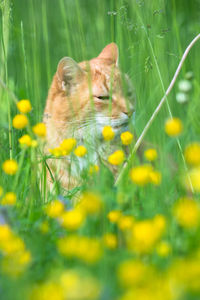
(88, 94)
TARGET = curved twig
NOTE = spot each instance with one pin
(156, 111)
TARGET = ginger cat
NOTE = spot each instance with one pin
(82, 99)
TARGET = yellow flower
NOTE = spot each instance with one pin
(194, 176)
(84, 248)
(67, 145)
(80, 151)
(114, 215)
(110, 240)
(47, 291)
(125, 222)
(72, 219)
(187, 212)
(90, 203)
(151, 154)
(126, 138)
(5, 234)
(10, 166)
(108, 133)
(24, 106)
(131, 272)
(57, 152)
(9, 199)
(40, 130)
(93, 169)
(25, 140)
(54, 209)
(1, 191)
(163, 249)
(20, 121)
(192, 154)
(146, 233)
(34, 144)
(116, 158)
(173, 127)
(141, 174)
(155, 177)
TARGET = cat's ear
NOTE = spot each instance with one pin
(69, 74)
(111, 53)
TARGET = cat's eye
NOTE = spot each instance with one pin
(103, 97)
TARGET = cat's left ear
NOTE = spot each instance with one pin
(69, 74)
(110, 53)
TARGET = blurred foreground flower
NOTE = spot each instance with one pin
(116, 158)
(173, 127)
(126, 138)
(151, 154)
(9, 198)
(10, 166)
(24, 106)
(72, 219)
(54, 209)
(193, 177)
(20, 121)
(90, 203)
(146, 234)
(25, 140)
(87, 249)
(40, 130)
(110, 240)
(192, 154)
(67, 145)
(108, 133)
(163, 249)
(185, 85)
(187, 212)
(141, 174)
(80, 151)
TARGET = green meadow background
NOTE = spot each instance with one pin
(151, 36)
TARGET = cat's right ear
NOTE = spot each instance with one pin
(69, 74)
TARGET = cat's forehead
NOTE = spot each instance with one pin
(101, 70)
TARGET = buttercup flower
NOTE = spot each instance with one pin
(54, 209)
(72, 219)
(24, 106)
(80, 151)
(192, 154)
(67, 145)
(126, 138)
(187, 212)
(25, 140)
(163, 249)
(110, 240)
(155, 177)
(116, 158)
(114, 215)
(108, 133)
(10, 198)
(20, 121)
(173, 127)
(40, 130)
(10, 166)
(141, 174)
(151, 154)
(193, 177)
(57, 152)
(90, 203)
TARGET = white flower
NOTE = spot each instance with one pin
(184, 85)
(181, 97)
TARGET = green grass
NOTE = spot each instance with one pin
(151, 36)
